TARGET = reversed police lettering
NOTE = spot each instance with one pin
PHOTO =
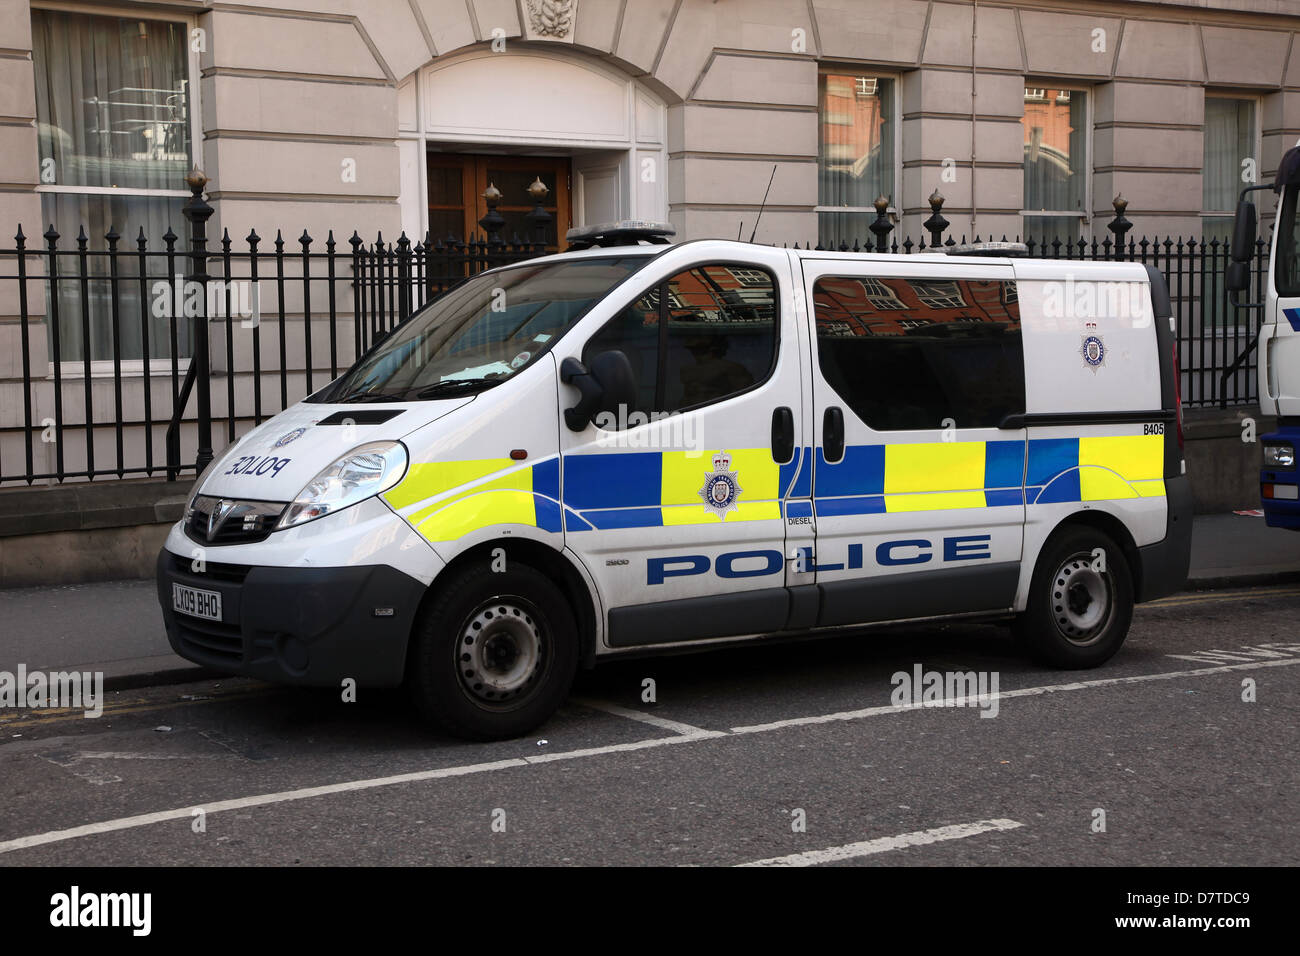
(257, 465)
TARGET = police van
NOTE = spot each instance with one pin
(637, 446)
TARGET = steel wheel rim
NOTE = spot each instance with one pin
(1082, 599)
(500, 651)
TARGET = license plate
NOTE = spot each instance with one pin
(196, 603)
(1286, 492)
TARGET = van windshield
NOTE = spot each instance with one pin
(482, 332)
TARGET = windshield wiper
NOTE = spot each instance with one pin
(368, 397)
(453, 384)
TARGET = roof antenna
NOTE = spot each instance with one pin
(741, 227)
(764, 203)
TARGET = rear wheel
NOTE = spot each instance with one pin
(1080, 601)
(493, 653)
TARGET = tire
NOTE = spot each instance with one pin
(493, 654)
(1078, 614)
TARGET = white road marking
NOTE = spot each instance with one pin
(663, 723)
(351, 786)
(851, 851)
(1006, 695)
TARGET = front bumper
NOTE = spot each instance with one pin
(308, 626)
(1280, 512)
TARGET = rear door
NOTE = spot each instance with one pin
(917, 490)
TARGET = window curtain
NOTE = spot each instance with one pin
(1055, 150)
(1229, 136)
(855, 155)
(112, 111)
(111, 100)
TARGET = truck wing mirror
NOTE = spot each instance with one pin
(1245, 226)
(607, 385)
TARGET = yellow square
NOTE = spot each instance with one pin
(935, 466)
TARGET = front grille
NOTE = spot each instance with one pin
(238, 522)
(209, 570)
(212, 640)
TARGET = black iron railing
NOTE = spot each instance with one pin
(110, 346)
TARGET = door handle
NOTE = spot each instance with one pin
(833, 434)
(782, 435)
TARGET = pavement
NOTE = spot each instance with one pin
(116, 627)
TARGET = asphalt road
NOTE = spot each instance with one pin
(739, 749)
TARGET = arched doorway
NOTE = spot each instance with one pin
(595, 137)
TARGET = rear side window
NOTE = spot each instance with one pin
(910, 353)
(705, 334)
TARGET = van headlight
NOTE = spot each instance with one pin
(1279, 456)
(365, 471)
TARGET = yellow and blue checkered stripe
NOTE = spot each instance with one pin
(662, 489)
(606, 491)
(938, 476)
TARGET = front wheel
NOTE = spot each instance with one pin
(1080, 601)
(494, 653)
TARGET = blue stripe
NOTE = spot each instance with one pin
(833, 507)
(1048, 457)
(625, 518)
(996, 497)
(860, 472)
(575, 522)
(1004, 464)
(1293, 316)
(548, 514)
(799, 471)
(1062, 488)
(625, 479)
(803, 482)
(546, 478)
(798, 509)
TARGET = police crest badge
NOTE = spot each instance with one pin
(1093, 350)
(721, 487)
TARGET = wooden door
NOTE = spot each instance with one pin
(457, 182)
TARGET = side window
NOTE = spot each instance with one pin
(909, 353)
(701, 336)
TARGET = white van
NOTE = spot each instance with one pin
(641, 447)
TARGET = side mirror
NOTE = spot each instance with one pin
(609, 384)
(1244, 228)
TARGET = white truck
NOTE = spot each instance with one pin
(1278, 341)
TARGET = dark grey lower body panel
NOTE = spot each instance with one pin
(897, 597)
(893, 597)
(1163, 566)
(698, 619)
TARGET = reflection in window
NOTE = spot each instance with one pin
(718, 337)
(112, 110)
(855, 153)
(1055, 127)
(954, 354)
